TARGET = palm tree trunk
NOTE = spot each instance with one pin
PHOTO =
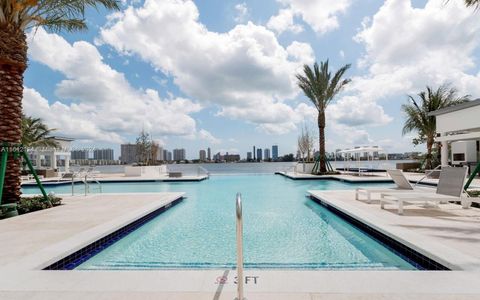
(321, 140)
(13, 62)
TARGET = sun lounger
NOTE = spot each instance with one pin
(398, 178)
(449, 188)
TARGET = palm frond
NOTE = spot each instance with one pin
(55, 15)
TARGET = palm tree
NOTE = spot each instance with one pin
(16, 17)
(419, 120)
(475, 3)
(36, 134)
(320, 87)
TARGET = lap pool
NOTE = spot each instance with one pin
(282, 229)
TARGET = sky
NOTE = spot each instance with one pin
(221, 73)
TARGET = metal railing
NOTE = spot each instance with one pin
(239, 246)
(86, 178)
(201, 170)
(294, 168)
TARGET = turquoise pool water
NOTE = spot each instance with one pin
(282, 229)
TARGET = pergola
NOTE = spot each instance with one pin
(357, 153)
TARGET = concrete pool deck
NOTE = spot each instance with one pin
(33, 240)
(377, 177)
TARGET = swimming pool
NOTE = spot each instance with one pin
(282, 229)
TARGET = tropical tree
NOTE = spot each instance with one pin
(321, 88)
(471, 3)
(419, 120)
(17, 17)
(36, 134)
(144, 148)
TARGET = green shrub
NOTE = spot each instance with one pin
(30, 204)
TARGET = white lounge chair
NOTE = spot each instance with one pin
(403, 185)
(449, 188)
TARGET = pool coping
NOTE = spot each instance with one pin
(56, 252)
(446, 256)
(119, 180)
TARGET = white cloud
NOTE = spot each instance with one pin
(242, 12)
(320, 15)
(206, 135)
(102, 104)
(408, 48)
(353, 111)
(245, 70)
(284, 22)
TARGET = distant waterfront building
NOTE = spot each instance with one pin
(165, 154)
(259, 154)
(209, 154)
(218, 157)
(275, 152)
(79, 154)
(103, 154)
(266, 154)
(249, 156)
(128, 153)
(231, 157)
(169, 156)
(178, 154)
(160, 154)
(254, 157)
(202, 155)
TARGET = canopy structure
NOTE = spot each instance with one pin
(362, 150)
(355, 152)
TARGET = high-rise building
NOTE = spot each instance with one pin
(128, 153)
(165, 155)
(209, 154)
(259, 154)
(202, 155)
(249, 156)
(218, 157)
(178, 154)
(169, 156)
(79, 154)
(160, 154)
(266, 154)
(254, 153)
(103, 154)
(275, 152)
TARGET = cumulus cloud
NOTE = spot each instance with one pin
(283, 21)
(320, 15)
(245, 71)
(354, 111)
(98, 100)
(407, 48)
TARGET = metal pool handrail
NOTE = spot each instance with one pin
(239, 246)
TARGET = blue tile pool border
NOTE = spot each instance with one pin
(73, 260)
(415, 258)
